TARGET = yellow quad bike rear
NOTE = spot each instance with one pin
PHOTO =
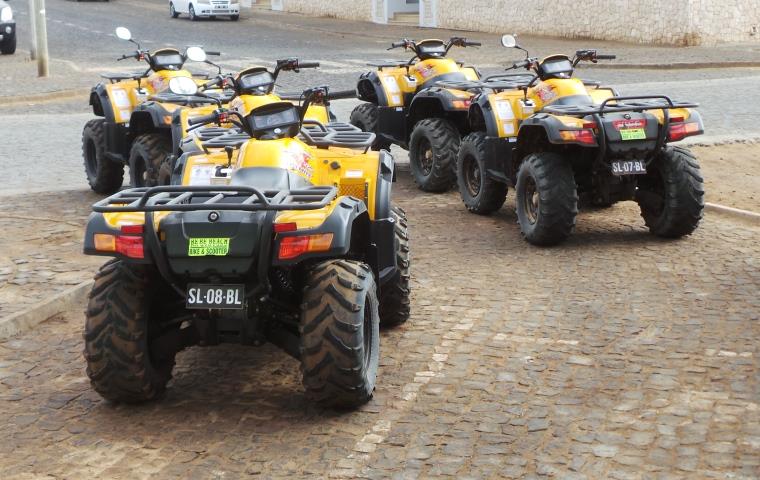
(557, 139)
(252, 88)
(406, 106)
(136, 112)
(281, 231)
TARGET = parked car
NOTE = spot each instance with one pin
(196, 9)
(7, 29)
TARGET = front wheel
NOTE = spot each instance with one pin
(192, 15)
(235, 18)
(547, 198)
(671, 195)
(8, 46)
(146, 156)
(480, 193)
(433, 148)
(340, 334)
(365, 117)
(124, 362)
(395, 293)
(172, 12)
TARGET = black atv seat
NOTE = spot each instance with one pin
(115, 77)
(269, 178)
(446, 77)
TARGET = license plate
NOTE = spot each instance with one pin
(227, 297)
(208, 247)
(629, 167)
(633, 134)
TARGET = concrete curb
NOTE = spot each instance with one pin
(45, 97)
(738, 213)
(669, 66)
(31, 317)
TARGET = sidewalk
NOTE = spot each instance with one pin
(19, 80)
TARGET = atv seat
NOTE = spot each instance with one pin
(446, 77)
(269, 178)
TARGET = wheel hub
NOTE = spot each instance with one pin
(472, 176)
(531, 200)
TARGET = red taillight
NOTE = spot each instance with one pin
(585, 137)
(285, 227)
(676, 119)
(679, 131)
(129, 246)
(292, 247)
(132, 229)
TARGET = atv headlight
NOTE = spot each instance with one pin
(6, 14)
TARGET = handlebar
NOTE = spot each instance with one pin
(403, 43)
(468, 43)
(203, 119)
(308, 65)
(216, 54)
(341, 95)
(606, 57)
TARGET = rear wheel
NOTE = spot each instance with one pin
(8, 46)
(547, 198)
(395, 293)
(234, 18)
(146, 156)
(671, 194)
(172, 12)
(103, 175)
(340, 336)
(123, 315)
(433, 149)
(480, 193)
(191, 14)
(365, 116)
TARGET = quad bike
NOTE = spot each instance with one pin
(282, 230)
(554, 138)
(136, 111)
(406, 106)
(250, 89)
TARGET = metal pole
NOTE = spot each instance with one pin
(33, 31)
(41, 34)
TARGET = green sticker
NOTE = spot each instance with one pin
(205, 247)
(633, 134)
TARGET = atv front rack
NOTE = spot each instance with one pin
(481, 85)
(184, 198)
(619, 104)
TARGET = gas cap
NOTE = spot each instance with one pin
(213, 217)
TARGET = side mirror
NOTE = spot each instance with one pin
(196, 54)
(123, 33)
(509, 41)
(183, 86)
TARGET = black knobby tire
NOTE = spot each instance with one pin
(395, 293)
(8, 46)
(117, 337)
(172, 11)
(433, 149)
(480, 193)
(671, 195)
(103, 175)
(340, 336)
(365, 116)
(234, 18)
(547, 198)
(146, 156)
(192, 15)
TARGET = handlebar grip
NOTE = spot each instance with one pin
(397, 44)
(216, 54)
(203, 119)
(308, 64)
(473, 44)
(606, 57)
(341, 95)
(212, 83)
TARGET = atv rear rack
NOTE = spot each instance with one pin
(496, 84)
(335, 134)
(184, 198)
(621, 104)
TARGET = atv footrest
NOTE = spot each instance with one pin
(182, 198)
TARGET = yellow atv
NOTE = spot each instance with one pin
(556, 138)
(281, 231)
(136, 111)
(406, 106)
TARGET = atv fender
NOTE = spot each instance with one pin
(370, 89)
(347, 223)
(148, 117)
(101, 106)
(96, 223)
(384, 183)
(117, 147)
(481, 116)
(550, 125)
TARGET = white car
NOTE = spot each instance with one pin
(196, 9)
(7, 29)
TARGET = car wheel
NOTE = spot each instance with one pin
(172, 11)
(191, 13)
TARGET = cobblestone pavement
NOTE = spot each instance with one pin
(615, 355)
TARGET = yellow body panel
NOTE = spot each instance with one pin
(124, 95)
(549, 91)
(398, 81)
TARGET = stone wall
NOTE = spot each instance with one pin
(348, 9)
(671, 22)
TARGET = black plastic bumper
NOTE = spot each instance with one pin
(7, 30)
